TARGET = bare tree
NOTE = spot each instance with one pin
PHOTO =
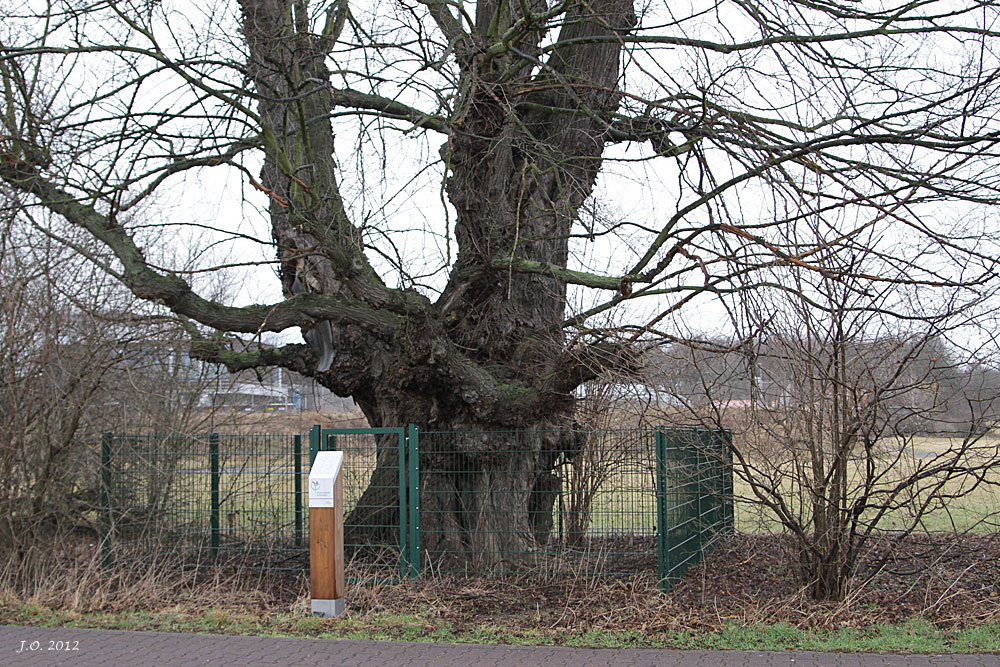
(835, 388)
(453, 314)
(78, 356)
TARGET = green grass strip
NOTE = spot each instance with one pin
(914, 636)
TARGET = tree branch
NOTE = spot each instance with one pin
(387, 108)
(567, 275)
(175, 293)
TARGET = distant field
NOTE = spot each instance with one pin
(962, 503)
(291, 423)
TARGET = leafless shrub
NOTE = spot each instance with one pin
(858, 407)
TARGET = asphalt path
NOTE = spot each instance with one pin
(82, 648)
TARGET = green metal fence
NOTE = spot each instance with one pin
(630, 502)
(225, 499)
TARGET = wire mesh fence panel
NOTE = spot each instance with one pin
(218, 499)
(156, 496)
(553, 503)
(256, 524)
(696, 498)
(608, 502)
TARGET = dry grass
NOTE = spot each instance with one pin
(744, 582)
(72, 580)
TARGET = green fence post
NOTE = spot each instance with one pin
(106, 500)
(727, 481)
(699, 489)
(314, 435)
(662, 541)
(297, 467)
(213, 464)
(404, 558)
(414, 488)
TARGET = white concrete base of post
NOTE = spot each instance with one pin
(328, 608)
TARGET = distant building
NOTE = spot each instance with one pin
(169, 365)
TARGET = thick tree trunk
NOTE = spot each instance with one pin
(486, 498)
(490, 354)
(476, 517)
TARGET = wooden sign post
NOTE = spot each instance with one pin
(326, 534)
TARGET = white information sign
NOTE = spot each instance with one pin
(322, 476)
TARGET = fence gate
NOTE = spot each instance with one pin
(379, 461)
